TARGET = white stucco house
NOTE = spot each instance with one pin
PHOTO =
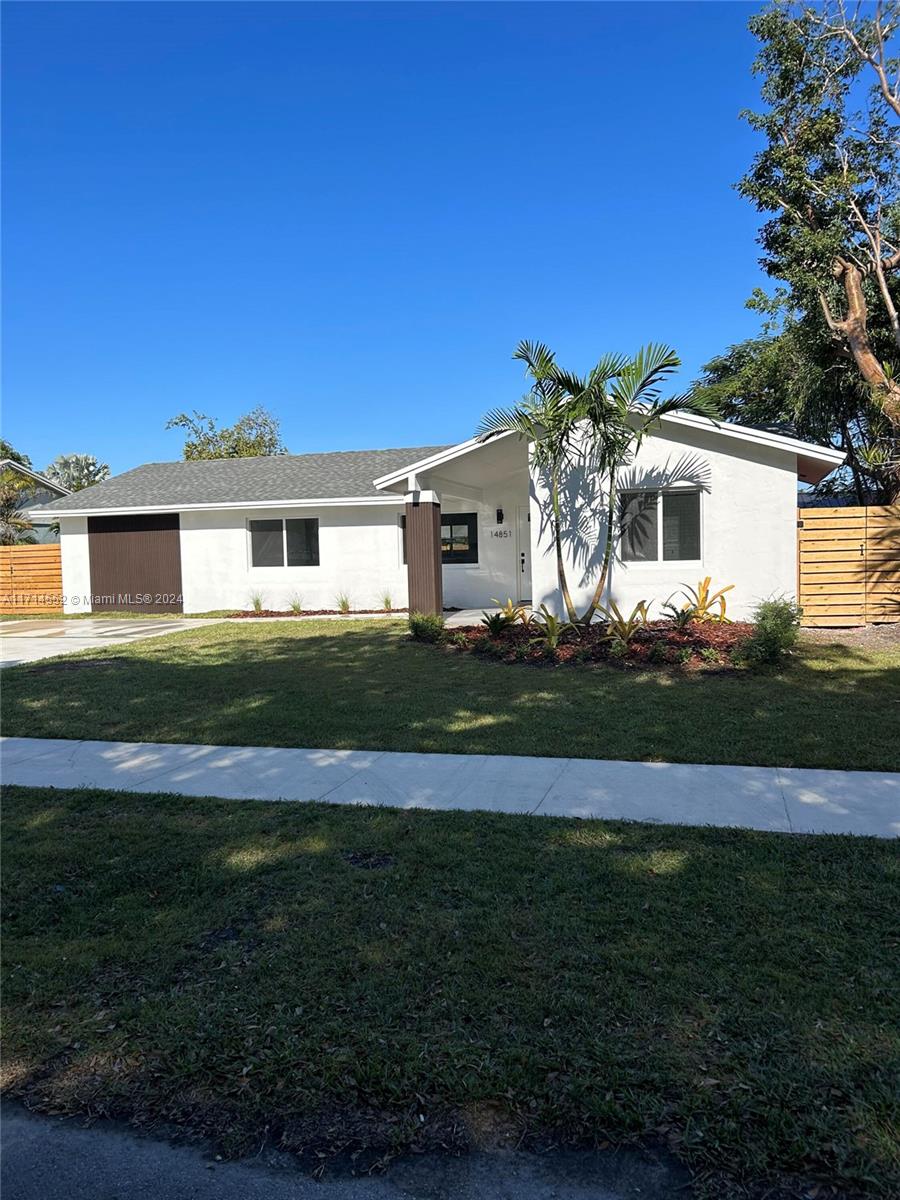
(449, 525)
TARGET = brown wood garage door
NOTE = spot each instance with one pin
(135, 563)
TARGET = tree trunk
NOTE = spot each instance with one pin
(855, 332)
(591, 609)
(557, 540)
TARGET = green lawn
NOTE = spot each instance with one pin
(364, 684)
(365, 980)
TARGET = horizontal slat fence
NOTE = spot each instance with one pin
(30, 580)
(849, 565)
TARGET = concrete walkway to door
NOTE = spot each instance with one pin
(778, 799)
(33, 640)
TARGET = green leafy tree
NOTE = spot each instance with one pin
(15, 493)
(258, 432)
(827, 177)
(7, 450)
(595, 422)
(76, 471)
(795, 380)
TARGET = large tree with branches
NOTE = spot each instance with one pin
(829, 176)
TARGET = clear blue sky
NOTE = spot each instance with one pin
(351, 213)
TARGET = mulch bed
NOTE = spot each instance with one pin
(316, 612)
(702, 644)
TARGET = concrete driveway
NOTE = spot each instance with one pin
(31, 641)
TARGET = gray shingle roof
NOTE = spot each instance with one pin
(246, 480)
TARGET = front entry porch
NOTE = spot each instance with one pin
(468, 528)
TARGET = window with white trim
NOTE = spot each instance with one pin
(279, 542)
(659, 526)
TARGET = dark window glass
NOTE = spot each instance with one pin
(637, 511)
(459, 537)
(303, 542)
(681, 525)
(403, 538)
(266, 544)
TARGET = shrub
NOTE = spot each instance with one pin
(343, 602)
(776, 621)
(387, 601)
(256, 601)
(426, 627)
(658, 651)
(296, 603)
(709, 654)
(618, 647)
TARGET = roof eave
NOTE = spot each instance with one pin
(11, 464)
(126, 510)
(437, 460)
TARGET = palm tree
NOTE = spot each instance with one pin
(15, 528)
(76, 471)
(619, 414)
(608, 413)
(547, 418)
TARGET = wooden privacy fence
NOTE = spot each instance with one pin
(848, 566)
(30, 580)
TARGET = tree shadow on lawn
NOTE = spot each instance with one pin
(828, 707)
(225, 969)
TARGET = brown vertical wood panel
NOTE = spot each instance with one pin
(848, 565)
(423, 557)
(30, 580)
(135, 563)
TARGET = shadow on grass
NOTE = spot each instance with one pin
(374, 689)
(227, 968)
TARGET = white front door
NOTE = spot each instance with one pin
(523, 554)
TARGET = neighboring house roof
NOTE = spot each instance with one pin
(10, 464)
(281, 480)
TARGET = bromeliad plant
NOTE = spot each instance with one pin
(706, 604)
(621, 628)
(603, 417)
(495, 623)
(550, 628)
(679, 617)
(513, 612)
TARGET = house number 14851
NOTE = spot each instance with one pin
(501, 533)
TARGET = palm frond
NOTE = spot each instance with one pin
(506, 420)
(537, 357)
(609, 366)
(638, 382)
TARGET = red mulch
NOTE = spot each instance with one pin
(657, 644)
(316, 612)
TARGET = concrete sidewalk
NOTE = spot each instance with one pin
(48, 1158)
(783, 799)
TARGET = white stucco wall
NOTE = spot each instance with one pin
(469, 585)
(76, 567)
(748, 506)
(359, 554)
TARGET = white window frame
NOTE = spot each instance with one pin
(660, 562)
(284, 565)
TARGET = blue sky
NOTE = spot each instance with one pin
(351, 213)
